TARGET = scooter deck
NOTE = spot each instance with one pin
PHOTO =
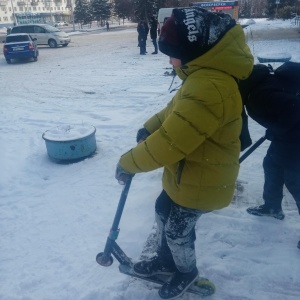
(201, 286)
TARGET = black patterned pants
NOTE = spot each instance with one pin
(176, 233)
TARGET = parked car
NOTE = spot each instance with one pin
(44, 34)
(20, 46)
(58, 24)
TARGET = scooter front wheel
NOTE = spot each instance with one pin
(104, 260)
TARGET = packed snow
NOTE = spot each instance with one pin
(55, 218)
(69, 133)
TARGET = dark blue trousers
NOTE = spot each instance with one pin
(281, 167)
(155, 45)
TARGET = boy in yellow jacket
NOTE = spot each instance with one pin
(195, 138)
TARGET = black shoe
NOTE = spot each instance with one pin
(154, 52)
(142, 53)
(262, 210)
(298, 245)
(153, 266)
(178, 284)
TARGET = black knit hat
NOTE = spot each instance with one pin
(192, 31)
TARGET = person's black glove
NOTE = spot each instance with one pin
(269, 135)
(142, 134)
(121, 175)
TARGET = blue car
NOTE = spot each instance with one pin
(20, 46)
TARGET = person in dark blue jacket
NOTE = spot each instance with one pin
(273, 100)
(143, 31)
(153, 34)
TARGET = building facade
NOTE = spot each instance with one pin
(34, 11)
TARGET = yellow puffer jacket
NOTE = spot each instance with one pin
(196, 137)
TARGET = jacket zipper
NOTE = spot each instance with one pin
(179, 170)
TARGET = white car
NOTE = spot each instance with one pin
(44, 34)
(57, 24)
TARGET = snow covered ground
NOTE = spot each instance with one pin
(55, 218)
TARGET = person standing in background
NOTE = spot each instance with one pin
(153, 33)
(142, 30)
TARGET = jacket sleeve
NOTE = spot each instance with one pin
(189, 122)
(155, 122)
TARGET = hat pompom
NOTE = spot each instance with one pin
(169, 42)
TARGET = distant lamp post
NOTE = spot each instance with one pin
(14, 14)
(51, 18)
(49, 2)
(277, 2)
(70, 6)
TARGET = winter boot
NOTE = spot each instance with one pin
(263, 210)
(153, 266)
(298, 245)
(178, 284)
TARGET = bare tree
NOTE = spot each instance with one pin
(252, 8)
